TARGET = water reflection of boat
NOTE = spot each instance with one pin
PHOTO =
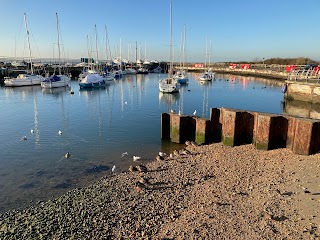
(92, 89)
(56, 90)
(204, 82)
(23, 89)
(169, 98)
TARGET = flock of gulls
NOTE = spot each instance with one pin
(67, 155)
(32, 132)
(139, 168)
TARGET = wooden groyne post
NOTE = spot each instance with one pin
(237, 127)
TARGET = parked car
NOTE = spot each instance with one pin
(310, 66)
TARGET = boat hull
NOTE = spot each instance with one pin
(23, 80)
(92, 81)
(93, 85)
(169, 86)
(55, 81)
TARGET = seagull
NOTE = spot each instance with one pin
(113, 168)
(123, 154)
(24, 138)
(60, 133)
(172, 111)
(31, 131)
(179, 112)
(162, 154)
(125, 102)
(67, 155)
(136, 158)
(195, 112)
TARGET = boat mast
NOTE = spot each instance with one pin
(136, 53)
(205, 63)
(210, 45)
(95, 29)
(171, 61)
(58, 43)
(89, 53)
(108, 49)
(27, 31)
(183, 49)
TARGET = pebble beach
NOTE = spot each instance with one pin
(200, 192)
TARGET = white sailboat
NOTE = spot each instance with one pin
(56, 80)
(207, 75)
(25, 79)
(181, 75)
(93, 78)
(106, 73)
(169, 84)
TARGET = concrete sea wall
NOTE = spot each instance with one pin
(236, 127)
(303, 91)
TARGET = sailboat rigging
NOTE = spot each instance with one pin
(25, 79)
(57, 80)
(208, 75)
(169, 84)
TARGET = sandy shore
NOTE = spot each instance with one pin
(206, 192)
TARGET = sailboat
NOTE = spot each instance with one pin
(181, 75)
(56, 80)
(207, 75)
(169, 84)
(106, 73)
(25, 79)
(93, 78)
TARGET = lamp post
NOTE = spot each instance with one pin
(263, 63)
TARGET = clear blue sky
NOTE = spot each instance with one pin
(239, 29)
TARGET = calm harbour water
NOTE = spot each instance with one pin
(99, 125)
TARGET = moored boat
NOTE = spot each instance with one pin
(25, 79)
(92, 80)
(56, 80)
(169, 85)
(207, 76)
(181, 77)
